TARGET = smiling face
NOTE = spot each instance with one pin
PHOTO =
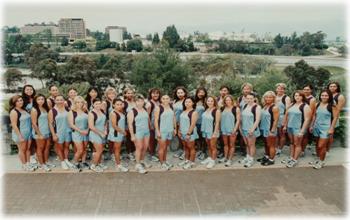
(210, 102)
(119, 106)
(201, 94)
(224, 92)
(180, 93)
(19, 103)
(111, 95)
(250, 99)
(59, 100)
(280, 90)
(269, 99)
(324, 97)
(307, 91)
(79, 103)
(155, 95)
(40, 100)
(188, 103)
(93, 94)
(333, 88)
(140, 103)
(228, 101)
(97, 105)
(298, 97)
(28, 91)
(246, 90)
(54, 91)
(165, 100)
(72, 94)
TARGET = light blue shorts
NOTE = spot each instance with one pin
(208, 135)
(294, 131)
(119, 138)
(142, 134)
(46, 136)
(27, 135)
(193, 137)
(227, 133)
(265, 133)
(64, 137)
(77, 137)
(245, 133)
(321, 133)
(166, 135)
(95, 138)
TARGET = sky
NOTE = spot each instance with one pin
(145, 18)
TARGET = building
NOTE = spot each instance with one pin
(73, 27)
(30, 29)
(115, 33)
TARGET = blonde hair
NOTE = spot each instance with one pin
(247, 84)
(232, 99)
(76, 99)
(283, 85)
(268, 93)
(109, 90)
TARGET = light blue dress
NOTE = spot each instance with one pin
(81, 121)
(99, 125)
(228, 122)
(294, 123)
(178, 109)
(266, 123)
(43, 125)
(141, 128)
(185, 125)
(113, 135)
(62, 128)
(323, 122)
(248, 122)
(166, 124)
(282, 110)
(207, 127)
(25, 127)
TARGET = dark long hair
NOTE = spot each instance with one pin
(88, 97)
(300, 92)
(175, 91)
(330, 95)
(36, 105)
(336, 83)
(26, 98)
(205, 94)
(193, 100)
(153, 90)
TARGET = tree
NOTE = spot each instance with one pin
(103, 44)
(47, 34)
(64, 41)
(155, 39)
(79, 44)
(163, 69)
(126, 36)
(302, 74)
(98, 35)
(45, 70)
(135, 44)
(278, 41)
(149, 37)
(37, 53)
(12, 77)
(171, 36)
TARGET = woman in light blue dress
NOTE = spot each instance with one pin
(268, 127)
(210, 129)
(41, 131)
(116, 133)
(110, 95)
(250, 119)
(21, 130)
(129, 103)
(295, 122)
(98, 133)
(60, 131)
(188, 132)
(322, 125)
(139, 127)
(78, 122)
(180, 93)
(165, 125)
(230, 119)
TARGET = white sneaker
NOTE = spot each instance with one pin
(206, 161)
(45, 167)
(34, 165)
(183, 163)
(182, 156)
(188, 165)
(313, 162)
(249, 163)
(286, 160)
(154, 158)
(222, 160)
(244, 160)
(228, 163)
(103, 166)
(292, 163)
(139, 168)
(145, 165)
(113, 157)
(121, 168)
(27, 167)
(50, 165)
(178, 154)
(95, 168)
(318, 165)
(164, 167)
(210, 164)
(64, 165)
(69, 164)
(131, 157)
(168, 164)
(33, 159)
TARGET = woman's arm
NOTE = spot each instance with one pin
(34, 117)
(275, 115)
(14, 118)
(217, 122)
(51, 125)
(238, 120)
(307, 118)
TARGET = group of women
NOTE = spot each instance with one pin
(205, 126)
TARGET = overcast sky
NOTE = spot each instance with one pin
(149, 18)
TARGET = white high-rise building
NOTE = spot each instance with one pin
(115, 33)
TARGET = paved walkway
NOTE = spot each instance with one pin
(280, 191)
